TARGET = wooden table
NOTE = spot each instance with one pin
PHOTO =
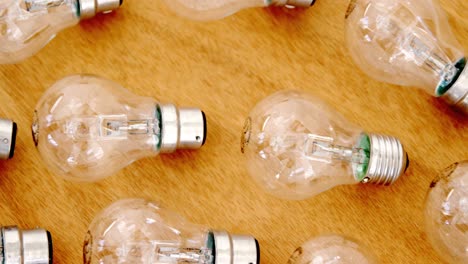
(225, 67)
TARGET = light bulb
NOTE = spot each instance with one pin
(331, 249)
(8, 131)
(28, 25)
(446, 213)
(217, 9)
(138, 231)
(33, 246)
(87, 128)
(296, 147)
(410, 43)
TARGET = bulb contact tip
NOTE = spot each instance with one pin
(388, 160)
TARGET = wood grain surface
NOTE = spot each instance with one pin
(225, 67)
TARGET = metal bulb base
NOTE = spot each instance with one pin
(181, 128)
(388, 160)
(235, 249)
(457, 95)
(89, 8)
(32, 246)
(8, 131)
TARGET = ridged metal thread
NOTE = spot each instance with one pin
(388, 160)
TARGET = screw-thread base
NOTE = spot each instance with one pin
(388, 160)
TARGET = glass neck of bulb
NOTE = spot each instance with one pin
(185, 255)
(457, 94)
(291, 3)
(449, 74)
(116, 127)
(323, 149)
(200, 254)
(41, 5)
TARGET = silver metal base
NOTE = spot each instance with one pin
(89, 8)
(26, 246)
(235, 249)
(7, 138)
(457, 95)
(295, 3)
(388, 160)
(182, 128)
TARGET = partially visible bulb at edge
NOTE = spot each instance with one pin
(217, 9)
(87, 128)
(446, 213)
(410, 43)
(296, 147)
(28, 25)
(139, 231)
(332, 249)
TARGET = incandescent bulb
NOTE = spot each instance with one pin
(331, 249)
(33, 246)
(408, 43)
(138, 231)
(87, 128)
(446, 213)
(217, 9)
(8, 131)
(297, 147)
(28, 25)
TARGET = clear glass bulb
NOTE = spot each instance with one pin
(26, 26)
(331, 249)
(217, 9)
(407, 43)
(446, 213)
(87, 128)
(140, 231)
(297, 147)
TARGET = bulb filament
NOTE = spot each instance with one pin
(110, 127)
(322, 149)
(185, 255)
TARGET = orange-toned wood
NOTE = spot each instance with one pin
(225, 67)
